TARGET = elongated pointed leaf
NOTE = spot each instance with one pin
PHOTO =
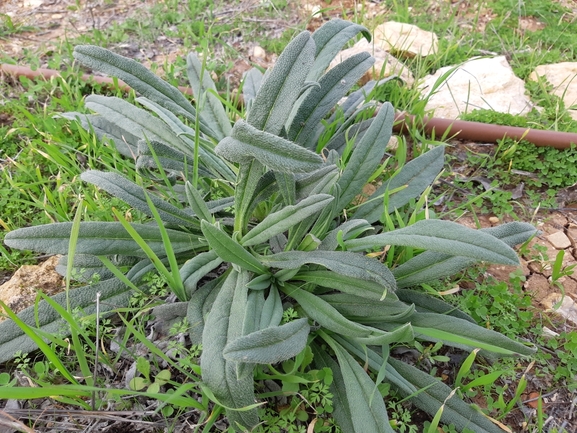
(365, 310)
(281, 87)
(218, 373)
(287, 217)
(320, 100)
(252, 81)
(229, 250)
(348, 230)
(272, 151)
(134, 195)
(197, 203)
(444, 237)
(368, 414)
(415, 176)
(193, 270)
(139, 78)
(326, 315)
(212, 110)
(367, 155)
(346, 284)
(113, 294)
(342, 262)
(330, 39)
(306, 183)
(135, 120)
(430, 266)
(341, 412)
(451, 330)
(271, 311)
(200, 302)
(430, 394)
(425, 303)
(338, 141)
(270, 345)
(99, 239)
(207, 157)
(126, 143)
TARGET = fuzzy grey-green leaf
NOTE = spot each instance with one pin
(281, 85)
(287, 217)
(270, 345)
(99, 238)
(444, 237)
(272, 151)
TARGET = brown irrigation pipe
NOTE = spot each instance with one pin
(460, 129)
(24, 71)
(484, 132)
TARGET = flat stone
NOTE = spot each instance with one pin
(538, 286)
(486, 83)
(567, 309)
(386, 64)
(405, 38)
(559, 240)
(20, 291)
(563, 78)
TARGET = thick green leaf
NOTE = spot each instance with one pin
(367, 155)
(461, 333)
(271, 150)
(339, 140)
(135, 120)
(306, 183)
(368, 414)
(342, 262)
(365, 310)
(270, 345)
(207, 157)
(282, 85)
(248, 185)
(99, 239)
(415, 177)
(139, 78)
(252, 81)
(271, 311)
(287, 187)
(135, 195)
(219, 374)
(200, 301)
(348, 230)
(444, 237)
(208, 105)
(126, 143)
(430, 394)
(326, 315)
(430, 265)
(229, 250)
(426, 303)
(346, 284)
(341, 412)
(330, 39)
(193, 270)
(197, 203)
(320, 100)
(287, 217)
(113, 294)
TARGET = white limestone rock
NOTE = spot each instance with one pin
(563, 78)
(405, 38)
(484, 83)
